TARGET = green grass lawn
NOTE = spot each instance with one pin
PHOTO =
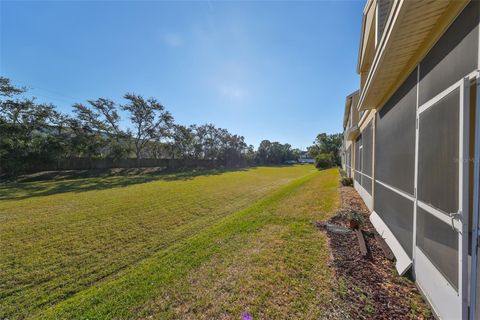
(214, 245)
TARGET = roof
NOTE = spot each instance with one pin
(412, 28)
(351, 99)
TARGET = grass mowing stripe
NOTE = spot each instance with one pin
(61, 237)
(116, 299)
(278, 271)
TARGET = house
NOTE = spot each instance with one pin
(412, 140)
(350, 130)
(305, 157)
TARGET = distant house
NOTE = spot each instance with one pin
(310, 161)
(412, 143)
(305, 158)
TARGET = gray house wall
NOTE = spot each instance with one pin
(358, 160)
(348, 161)
(367, 155)
(395, 138)
(454, 56)
(414, 150)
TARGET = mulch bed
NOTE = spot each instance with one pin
(368, 287)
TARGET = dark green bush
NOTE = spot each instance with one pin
(324, 161)
(346, 181)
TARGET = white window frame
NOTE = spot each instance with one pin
(430, 280)
(474, 309)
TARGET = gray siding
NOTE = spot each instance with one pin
(358, 159)
(454, 56)
(384, 7)
(439, 242)
(348, 161)
(395, 138)
(438, 154)
(397, 213)
(367, 141)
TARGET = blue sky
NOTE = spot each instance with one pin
(264, 70)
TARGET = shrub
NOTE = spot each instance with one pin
(324, 161)
(346, 181)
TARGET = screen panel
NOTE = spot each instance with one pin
(358, 177)
(367, 143)
(454, 56)
(438, 153)
(397, 213)
(358, 159)
(348, 154)
(349, 161)
(395, 137)
(367, 184)
(358, 153)
(384, 7)
(439, 242)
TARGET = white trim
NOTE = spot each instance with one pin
(363, 174)
(374, 140)
(397, 191)
(474, 313)
(367, 198)
(381, 47)
(463, 183)
(440, 215)
(376, 25)
(436, 289)
(428, 277)
(403, 262)
(415, 179)
(362, 118)
(440, 96)
(444, 93)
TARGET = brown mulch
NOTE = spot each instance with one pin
(368, 287)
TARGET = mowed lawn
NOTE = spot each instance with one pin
(213, 245)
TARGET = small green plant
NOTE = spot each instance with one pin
(356, 216)
(342, 287)
(369, 306)
(346, 182)
(355, 219)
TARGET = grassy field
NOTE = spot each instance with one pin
(215, 245)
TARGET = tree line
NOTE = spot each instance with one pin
(326, 150)
(33, 133)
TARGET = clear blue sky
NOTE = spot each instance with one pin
(264, 70)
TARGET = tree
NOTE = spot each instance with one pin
(274, 152)
(209, 140)
(327, 144)
(295, 154)
(277, 153)
(26, 135)
(100, 120)
(7, 89)
(32, 133)
(232, 147)
(263, 152)
(150, 120)
(250, 154)
(183, 142)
